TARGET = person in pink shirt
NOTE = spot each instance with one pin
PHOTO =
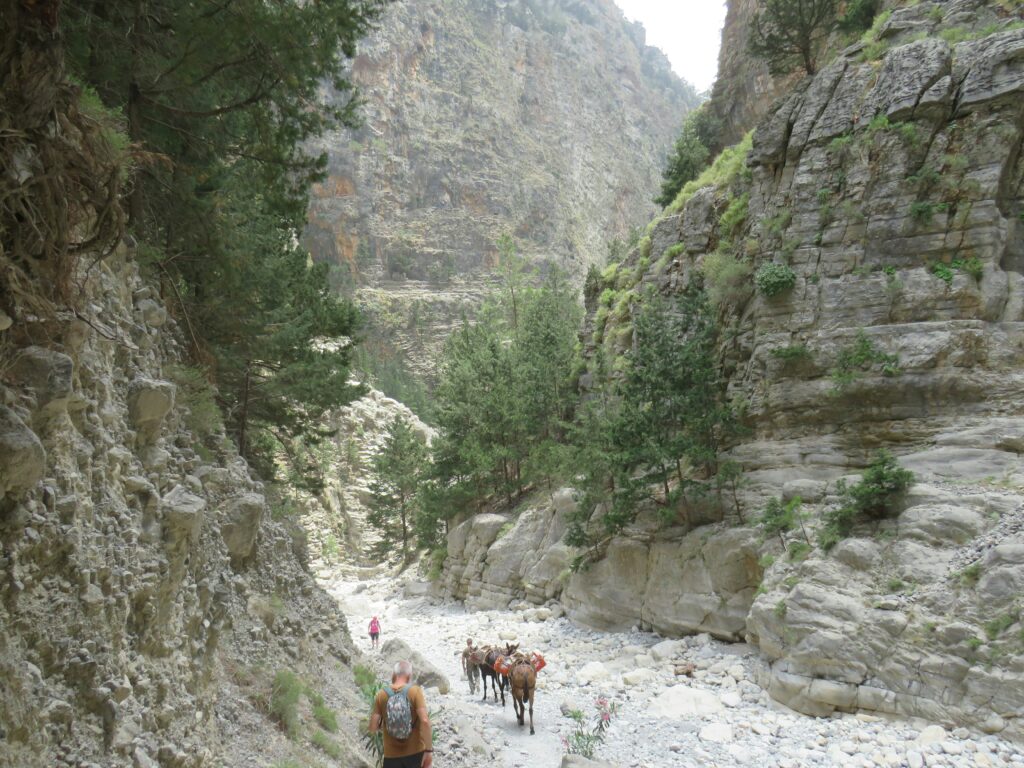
(374, 632)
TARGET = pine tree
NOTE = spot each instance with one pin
(220, 100)
(399, 472)
(688, 158)
(790, 33)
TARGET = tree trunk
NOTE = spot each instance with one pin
(243, 418)
(134, 114)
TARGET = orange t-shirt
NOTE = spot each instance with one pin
(419, 739)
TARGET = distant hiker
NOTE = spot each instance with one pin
(471, 659)
(374, 632)
(401, 709)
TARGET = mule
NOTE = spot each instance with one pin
(523, 684)
(498, 681)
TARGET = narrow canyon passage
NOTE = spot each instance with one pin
(718, 717)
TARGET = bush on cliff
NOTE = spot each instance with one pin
(875, 497)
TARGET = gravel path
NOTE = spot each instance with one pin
(718, 716)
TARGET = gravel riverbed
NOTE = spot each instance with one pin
(716, 716)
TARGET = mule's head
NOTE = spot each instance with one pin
(511, 649)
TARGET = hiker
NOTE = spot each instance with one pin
(374, 632)
(471, 659)
(401, 710)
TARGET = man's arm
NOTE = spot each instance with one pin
(425, 733)
(375, 716)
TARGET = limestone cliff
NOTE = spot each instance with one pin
(547, 120)
(744, 89)
(148, 594)
(887, 192)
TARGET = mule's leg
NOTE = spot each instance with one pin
(531, 713)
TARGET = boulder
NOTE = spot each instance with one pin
(48, 374)
(592, 672)
(718, 733)
(240, 523)
(682, 701)
(149, 401)
(22, 457)
(424, 673)
(182, 512)
(154, 315)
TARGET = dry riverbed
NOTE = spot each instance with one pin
(719, 716)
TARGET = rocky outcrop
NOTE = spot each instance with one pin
(335, 518)
(702, 581)
(495, 559)
(146, 598)
(915, 618)
(744, 89)
(549, 121)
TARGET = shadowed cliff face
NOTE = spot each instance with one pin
(546, 120)
(744, 89)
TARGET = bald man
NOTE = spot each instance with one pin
(416, 751)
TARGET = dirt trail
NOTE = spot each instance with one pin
(717, 717)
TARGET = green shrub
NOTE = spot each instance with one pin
(798, 550)
(923, 211)
(859, 15)
(773, 279)
(875, 496)
(1000, 624)
(859, 357)
(196, 393)
(778, 518)
(325, 717)
(366, 681)
(437, 558)
(645, 246)
(874, 47)
(727, 278)
(327, 744)
(733, 219)
(972, 266)
(969, 576)
(792, 354)
(284, 701)
(727, 167)
(777, 224)
(943, 271)
(780, 609)
(330, 547)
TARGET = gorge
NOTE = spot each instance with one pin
(194, 531)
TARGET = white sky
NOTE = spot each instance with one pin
(688, 31)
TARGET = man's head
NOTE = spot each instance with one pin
(469, 642)
(402, 673)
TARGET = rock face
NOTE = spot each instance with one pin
(549, 121)
(335, 519)
(702, 581)
(142, 586)
(493, 559)
(744, 88)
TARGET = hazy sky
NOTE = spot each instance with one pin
(688, 31)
